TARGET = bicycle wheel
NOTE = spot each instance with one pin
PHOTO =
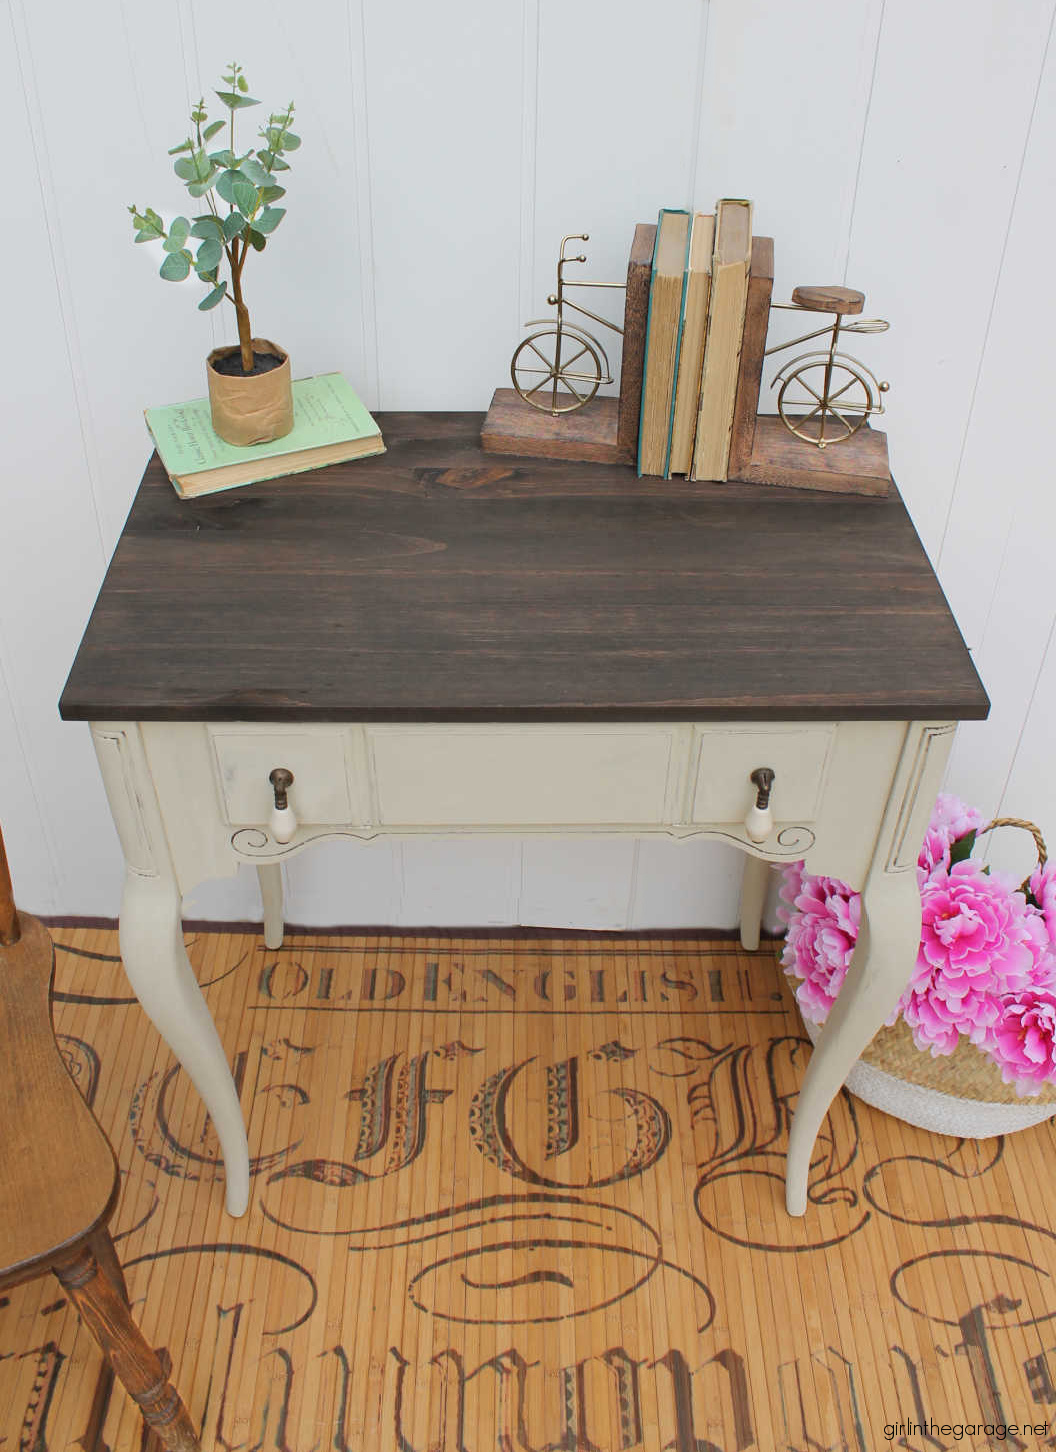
(823, 417)
(556, 372)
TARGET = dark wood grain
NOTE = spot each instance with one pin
(635, 315)
(588, 434)
(858, 465)
(104, 1310)
(437, 582)
(753, 347)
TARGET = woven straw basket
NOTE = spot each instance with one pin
(962, 1093)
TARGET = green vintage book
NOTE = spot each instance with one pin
(330, 425)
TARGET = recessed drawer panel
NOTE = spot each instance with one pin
(724, 758)
(327, 787)
(495, 776)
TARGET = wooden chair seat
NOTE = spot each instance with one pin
(59, 1177)
(829, 299)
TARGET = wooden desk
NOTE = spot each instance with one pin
(437, 639)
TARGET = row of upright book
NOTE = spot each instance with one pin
(698, 292)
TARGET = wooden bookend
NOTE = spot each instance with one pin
(605, 431)
(756, 321)
(857, 466)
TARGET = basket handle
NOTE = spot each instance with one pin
(1035, 832)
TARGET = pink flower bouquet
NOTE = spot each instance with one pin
(986, 966)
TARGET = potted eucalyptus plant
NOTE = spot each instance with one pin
(249, 385)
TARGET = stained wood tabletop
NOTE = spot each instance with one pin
(437, 582)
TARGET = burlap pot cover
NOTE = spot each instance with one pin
(251, 409)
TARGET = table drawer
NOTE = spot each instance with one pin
(329, 782)
(724, 757)
(478, 776)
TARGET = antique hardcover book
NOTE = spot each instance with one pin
(753, 348)
(722, 347)
(691, 355)
(330, 425)
(663, 338)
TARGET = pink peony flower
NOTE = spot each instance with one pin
(978, 940)
(1023, 1041)
(1043, 888)
(986, 966)
(950, 821)
(822, 932)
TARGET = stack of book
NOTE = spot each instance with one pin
(330, 426)
(699, 303)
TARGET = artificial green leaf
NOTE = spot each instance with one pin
(234, 101)
(961, 850)
(178, 234)
(233, 224)
(185, 169)
(187, 145)
(269, 219)
(273, 161)
(271, 194)
(199, 188)
(252, 168)
(290, 142)
(148, 228)
(225, 158)
(226, 184)
(211, 130)
(243, 84)
(257, 242)
(207, 226)
(176, 266)
(209, 255)
(245, 196)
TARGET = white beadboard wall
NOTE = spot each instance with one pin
(905, 147)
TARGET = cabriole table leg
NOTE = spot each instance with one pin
(152, 947)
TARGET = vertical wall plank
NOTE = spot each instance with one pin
(690, 884)
(445, 135)
(948, 120)
(996, 561)
(53, 558)
(614, 139)
(1002, 481)
(1031, 788)
(345, 881)
(451, 881)
(28, 851)
(785, 92)
(581, 882)
(106, 104)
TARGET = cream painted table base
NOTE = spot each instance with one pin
(193, 801)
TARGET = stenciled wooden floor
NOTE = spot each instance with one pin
(525, 1195)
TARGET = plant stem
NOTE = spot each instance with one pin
(245, 332)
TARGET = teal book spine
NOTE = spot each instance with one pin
(664, 212)
(645, 359)
(678, 344)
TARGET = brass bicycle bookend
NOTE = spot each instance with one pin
(561, 366)
(826, 396)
